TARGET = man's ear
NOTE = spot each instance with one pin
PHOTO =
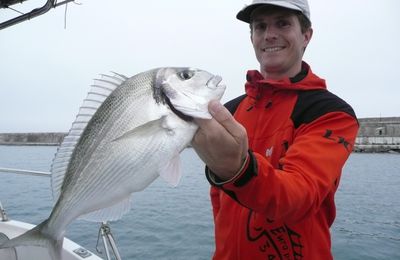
(251, 33)
(307, 36)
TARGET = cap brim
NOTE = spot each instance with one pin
(245, 14)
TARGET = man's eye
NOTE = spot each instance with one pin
(282, 23)
(260, 26)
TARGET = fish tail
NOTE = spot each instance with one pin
(33, 238)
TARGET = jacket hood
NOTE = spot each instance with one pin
(305, 80)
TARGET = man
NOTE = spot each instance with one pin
(275, 165)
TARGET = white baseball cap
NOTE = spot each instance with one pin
(298, 5)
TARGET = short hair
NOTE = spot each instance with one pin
(305, 24)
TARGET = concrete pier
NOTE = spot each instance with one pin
(31, 138)
(377, 134)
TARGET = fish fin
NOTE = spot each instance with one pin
(98, 92)
(150, 128)
(34, 238)
(112, 213)
(172, 172)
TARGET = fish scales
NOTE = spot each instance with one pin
(101, 130)
(127, 133)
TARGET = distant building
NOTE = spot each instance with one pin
(378, 134)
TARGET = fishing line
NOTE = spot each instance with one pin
(15, 10)
(66, 8)
(65, 16)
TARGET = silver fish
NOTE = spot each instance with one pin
(128, 132)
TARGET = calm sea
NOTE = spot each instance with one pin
(176, 223)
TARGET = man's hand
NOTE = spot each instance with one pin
(221, 142)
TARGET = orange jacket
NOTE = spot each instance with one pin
(281, 205)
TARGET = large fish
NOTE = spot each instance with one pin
(128, 132)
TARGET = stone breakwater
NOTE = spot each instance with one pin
(378, 134)
(375, 135)
(31, 138)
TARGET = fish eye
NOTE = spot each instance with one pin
(186, 74)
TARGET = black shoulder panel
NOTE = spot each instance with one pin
(234, 103)
(313, 104)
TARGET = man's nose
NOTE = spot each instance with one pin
(270, 33)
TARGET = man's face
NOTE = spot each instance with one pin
(278, 42)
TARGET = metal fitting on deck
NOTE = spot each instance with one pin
(3, 214)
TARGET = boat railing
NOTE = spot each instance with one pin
(108, 241)
(25, 172)
(27, 16)
(3, 214)
(104, 231)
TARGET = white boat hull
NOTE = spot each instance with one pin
(71, 250)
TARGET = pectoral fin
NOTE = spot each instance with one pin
(150, 128)
(112, 213)
(171, 173)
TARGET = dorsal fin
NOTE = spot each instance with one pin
(98, 92)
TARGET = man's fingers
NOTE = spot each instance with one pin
(225, 118)
(218, 111)
(221, 142)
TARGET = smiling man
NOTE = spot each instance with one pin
(275, 165)
(279, 40)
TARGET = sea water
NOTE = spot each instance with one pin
(176, 223)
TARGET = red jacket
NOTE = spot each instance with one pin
(281, 205)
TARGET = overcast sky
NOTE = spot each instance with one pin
(46, 70)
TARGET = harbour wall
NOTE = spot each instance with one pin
(31, 138)
(378, 134)
(375, 135)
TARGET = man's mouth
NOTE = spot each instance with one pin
(272, 49)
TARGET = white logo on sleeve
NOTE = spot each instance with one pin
(269, 151)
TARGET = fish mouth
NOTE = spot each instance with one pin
(166, 93)
(214, 81)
